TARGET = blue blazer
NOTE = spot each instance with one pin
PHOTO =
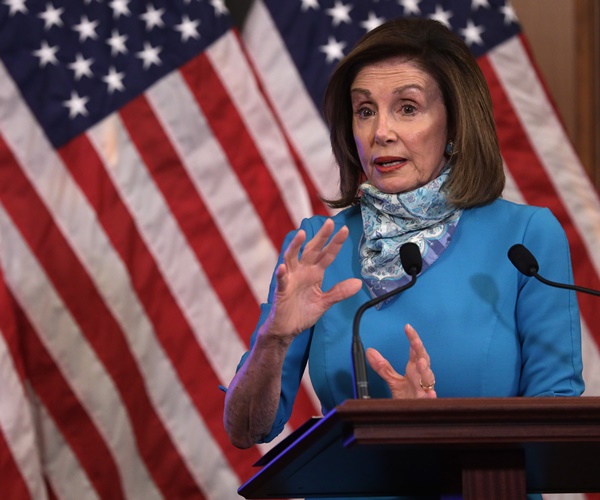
(489, 330)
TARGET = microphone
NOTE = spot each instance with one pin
(526, 263)
(410, 258)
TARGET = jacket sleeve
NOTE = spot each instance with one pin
(297, 355)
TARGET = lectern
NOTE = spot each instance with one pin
(492, 448)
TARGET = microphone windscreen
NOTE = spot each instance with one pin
(410, 258)
(523, 260)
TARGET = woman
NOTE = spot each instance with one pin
(413, 134)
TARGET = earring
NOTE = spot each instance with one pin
(450, 149)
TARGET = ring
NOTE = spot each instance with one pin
(426, 387)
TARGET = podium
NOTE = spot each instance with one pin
(492, 448)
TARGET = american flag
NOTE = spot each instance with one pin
(147, 181)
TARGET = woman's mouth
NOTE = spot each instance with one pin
(387, 164)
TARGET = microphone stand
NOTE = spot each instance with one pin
(359, 364)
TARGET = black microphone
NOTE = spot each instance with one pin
(410, 258)
(526, 263)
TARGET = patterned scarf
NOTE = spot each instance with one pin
(422, 216)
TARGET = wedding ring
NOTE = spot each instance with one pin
(426, 387)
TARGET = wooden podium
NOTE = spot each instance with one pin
(492, 448)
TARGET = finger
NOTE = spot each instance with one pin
(342, 290)
(417, 348)
(290, 256)
(334, 246)
(282, 277)
(426, 377)
(312, 250)
(382, 366)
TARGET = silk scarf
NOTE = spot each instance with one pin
(423, 216)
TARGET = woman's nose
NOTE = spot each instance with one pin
(384, 133)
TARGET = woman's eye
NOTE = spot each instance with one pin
(408, 109)
(364, 112)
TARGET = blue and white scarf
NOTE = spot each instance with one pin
(422, 216)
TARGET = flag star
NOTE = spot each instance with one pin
(475, 4)
(509, 13)
(334, 50)
(309, 4)
(219, 6)
(149, 55)
(51, 16)
(120, 8)
(410, 6)
(117, 43)
(86, 29)
(188, 28)
(46, 54)
(81, 67)
(114, 80)
(472, 34)
(15, 6)
(76, 105)
(153, 17)
(372, 22)
(340, 13)
(441, 15)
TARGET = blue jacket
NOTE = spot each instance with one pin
(489, 330)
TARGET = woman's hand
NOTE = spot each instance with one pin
(418, 381)
(299, 300)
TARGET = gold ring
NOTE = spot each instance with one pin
(426, 387)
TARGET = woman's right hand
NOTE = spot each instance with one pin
(299, 301)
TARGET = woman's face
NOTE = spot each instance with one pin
(399, 125)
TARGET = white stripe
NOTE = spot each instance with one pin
(74, 357)
(181, 270)
(16, 423)
(78, 223)
(511, 191)
(235, 74)
(66, 477)
(530, 102)
(216, 183)
(294, 107)
(176, 261)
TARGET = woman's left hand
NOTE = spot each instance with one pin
(418, 381)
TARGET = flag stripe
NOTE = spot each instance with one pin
(191, 213)
(301, 120)
(234, 295)
(172, 329)
(47, 378)
(19, 463)
(242, 155)
(47, 243)
(14, 485)
(228, 61)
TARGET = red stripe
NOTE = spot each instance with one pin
(535, 185)
(102, 331)
(237, 144)
(318, 207)
(197, 224)
(191, 213)
(13, 484)
(62, 404)
(172, 329)
(75, 425)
